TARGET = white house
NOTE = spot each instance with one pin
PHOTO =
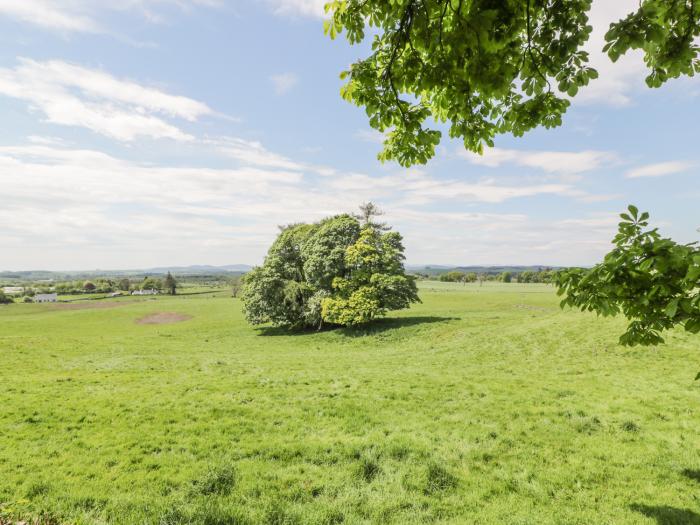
(145, 292)
(45, 298)
(13, 290)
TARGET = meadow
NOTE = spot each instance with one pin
(484, 404)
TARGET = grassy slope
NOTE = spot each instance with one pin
(482, 405)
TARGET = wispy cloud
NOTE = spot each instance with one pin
(49, 14)
(284, 82)
(73, 95)
(500, 238)
(617, 81)
(312, 8)
(145, 211)
(550, 161)
(422, 188)
(370, 135)
(253, 153)
(82, 16)
(659, 169)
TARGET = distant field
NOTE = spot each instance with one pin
(184, 290)
(485, 404)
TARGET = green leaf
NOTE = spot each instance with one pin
(672, 308)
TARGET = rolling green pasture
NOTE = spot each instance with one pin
(484, 405)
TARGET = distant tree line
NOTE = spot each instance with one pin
(169, 284)
(527, 276)
(456, 276)
(102, 285)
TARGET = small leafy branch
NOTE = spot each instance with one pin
(653, 281)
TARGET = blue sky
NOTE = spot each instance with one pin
(175, 132)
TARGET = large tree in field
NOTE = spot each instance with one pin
(489, 67)
(336, 271)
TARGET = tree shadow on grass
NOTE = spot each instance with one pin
(692, 474)
(379, 326)
(665, 515)
(375, 327)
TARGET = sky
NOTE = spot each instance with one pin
(178, 132)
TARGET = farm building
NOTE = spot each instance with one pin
(45, 298)
(145, 292)
(13, 290)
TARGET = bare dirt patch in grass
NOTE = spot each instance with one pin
(163, 318)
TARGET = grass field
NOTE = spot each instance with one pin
(483, 405)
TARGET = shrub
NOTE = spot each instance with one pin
(453, 277)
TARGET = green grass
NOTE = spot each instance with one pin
(482, 405)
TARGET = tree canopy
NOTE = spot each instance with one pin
(653, 281)
(336, 271)
(151, 283)
(170, 284)
(5, 299)
(489, 67)
(456, 276)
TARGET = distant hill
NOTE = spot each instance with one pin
(194, 270)
(199, 269)
(435, 269)
(204, 269)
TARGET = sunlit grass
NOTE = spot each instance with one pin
(482, 405)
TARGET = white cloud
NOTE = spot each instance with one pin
(658, 170)
(48, 14)
(254, 153)
(312, 8)
(617, 81)
(568, 162)
(425, 189)
(284, 82)
(72, 95)
(46, 141)
(82, 16)
(467, 238)
(85, 208)
(370, 135)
